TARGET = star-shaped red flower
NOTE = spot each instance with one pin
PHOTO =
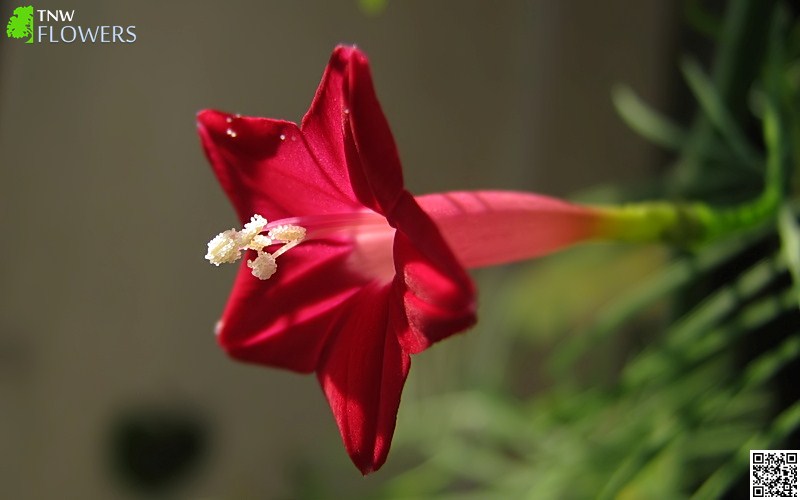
(372, 282)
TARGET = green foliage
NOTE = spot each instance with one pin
(647, 122)
(629, 372)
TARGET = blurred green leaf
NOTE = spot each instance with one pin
(662, 283)
(782, 426)
(790, 239)
(647, 122)
(665, 361)
(714, 108)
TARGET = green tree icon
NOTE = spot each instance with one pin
(20, 25)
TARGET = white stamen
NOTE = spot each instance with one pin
(264, 266)
(288, 233)
(224, 248)
(227, 246)
(252, 228)
(259, 242)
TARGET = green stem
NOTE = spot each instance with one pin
(685, 225)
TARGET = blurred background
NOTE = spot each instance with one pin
(111, 383)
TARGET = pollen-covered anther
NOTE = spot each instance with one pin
(224, 248)
(264, 265)
(252, 229)
(288, 233)
(259, 242)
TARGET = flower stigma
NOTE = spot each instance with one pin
(227, 246)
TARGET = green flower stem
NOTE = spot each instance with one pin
(686, 225)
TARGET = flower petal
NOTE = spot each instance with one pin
(373, 161)
(362, 373)
(285, 321)
(437, 294)
(266, 168)
(323, 124)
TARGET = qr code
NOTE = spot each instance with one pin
(773, 474)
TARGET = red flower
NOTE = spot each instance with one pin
(366, 277)
(335, 307)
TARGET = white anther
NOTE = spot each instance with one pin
(288, 233)
(263, 266)
(224, 248)
(259, 242)
(252, 228)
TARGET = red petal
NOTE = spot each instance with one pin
(362, 374)
(267, 175)
(438, 296)
(285, 321)
(375, 170)
(323, 124)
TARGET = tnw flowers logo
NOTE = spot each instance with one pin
(20, 25)
(55, 26)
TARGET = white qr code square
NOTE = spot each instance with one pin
(773, 474)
